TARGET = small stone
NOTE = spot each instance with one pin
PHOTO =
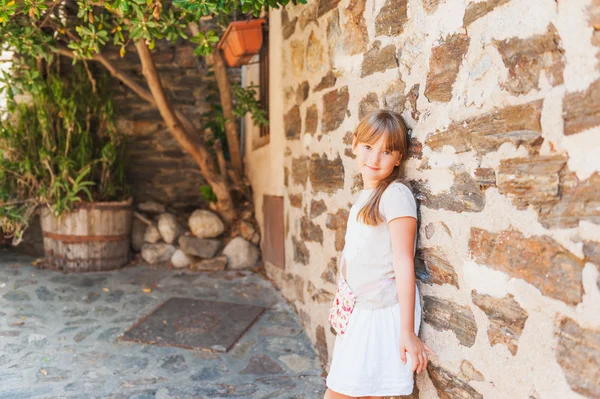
(262, 365)
(81, 335)
(91, 297)
(367, 105)
(288, 26)
(337, 221)
(312, 119)
(379, 60)
(81, 322)
(322, 296)
(205, 224)
(278, 331)
(527, 58)
(325, 6)
(392, 18)
(518, 124)
(449, 385)
(465, 195)
(206, 374)
(23, 283)
(470, 372)
(215, 264)
(578, 354)
(180, 259)
(10, 333)
(539, 260)
(580, 109)
(314, 53)
(247, 230)
(325, 174)
(321, 346)
(335, 105)
(532, 179)
(284, 382)
(241, 253)
(108, 334)
(394, 97)
(16, 296)
(157, 253)
(201, 247)
(310, 231)
(174, 364)
(326, 82)
(145, 381)
(152, 235)
(255, 238)
(151, 207)
(138, 231)
(168, 227)
(507, 319)
(434, 268)
(330, 274)
(51, 374)
(443, 314)
(135, 363)
(114, 296)
(13, 348)
(297, 363)
(37, 340)
(104, 311)
(242, 349)
(477, 10)
(444, 64)
(44, 294)
(293, 123)
(297, 57)
(308, 15)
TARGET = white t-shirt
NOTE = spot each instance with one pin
(368, 249)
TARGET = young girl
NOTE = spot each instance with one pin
(380, 349)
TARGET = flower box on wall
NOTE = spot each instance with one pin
(241, 41)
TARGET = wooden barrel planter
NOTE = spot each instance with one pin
(94, 236)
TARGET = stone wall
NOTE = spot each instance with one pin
(158, 169)
(503, 99)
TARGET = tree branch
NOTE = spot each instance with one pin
(200, 154)
(131, 83)
(227, 105)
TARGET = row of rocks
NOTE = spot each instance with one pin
(161, 239)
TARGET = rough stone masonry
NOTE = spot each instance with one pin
(503, 101)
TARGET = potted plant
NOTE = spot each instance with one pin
(241, 41)
(61, 155)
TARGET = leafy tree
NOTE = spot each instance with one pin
(82, 30)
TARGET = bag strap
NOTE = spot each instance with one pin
(373, 286)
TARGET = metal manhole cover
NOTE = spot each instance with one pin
(194, 324)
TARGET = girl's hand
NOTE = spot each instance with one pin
(412, 344)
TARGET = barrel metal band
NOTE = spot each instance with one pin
(87, 259)
(73, 239)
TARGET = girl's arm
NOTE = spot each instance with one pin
(402, 234)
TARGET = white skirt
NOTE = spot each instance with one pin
(366, 361)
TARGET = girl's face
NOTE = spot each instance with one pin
(373, 161)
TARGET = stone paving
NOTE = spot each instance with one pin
(59, 337)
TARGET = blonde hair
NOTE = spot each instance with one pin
(392, 127)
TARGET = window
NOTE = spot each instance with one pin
(264, 77)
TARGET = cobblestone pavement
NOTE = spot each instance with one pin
(58, 337)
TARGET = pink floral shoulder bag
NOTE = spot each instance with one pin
(344, 300)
